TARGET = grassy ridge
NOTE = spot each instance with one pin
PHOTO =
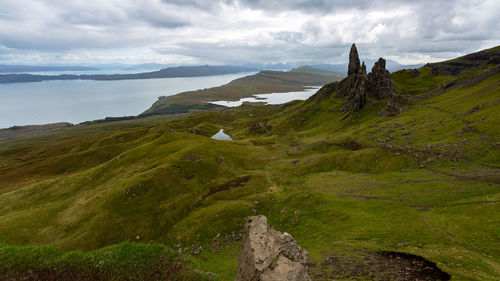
(424, 182)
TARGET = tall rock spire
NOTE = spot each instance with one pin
(354, 63)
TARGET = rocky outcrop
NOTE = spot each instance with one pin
(269, 255)
(379, 81)
(393, 107)
(353, 86)
(354, 63)
(357, 87)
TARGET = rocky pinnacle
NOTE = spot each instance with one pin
(358, 86)
(354, 63)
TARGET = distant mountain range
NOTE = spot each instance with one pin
(170, 72)
(339, 68)
(390, 65)
(17, 73)
(35, 68)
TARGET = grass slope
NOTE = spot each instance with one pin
(425, 182)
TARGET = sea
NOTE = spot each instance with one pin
(76, 101)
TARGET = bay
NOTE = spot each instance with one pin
(77, 101)
(272, 98)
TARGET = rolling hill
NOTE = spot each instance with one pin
(424, 182)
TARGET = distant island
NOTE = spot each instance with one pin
(169, 72)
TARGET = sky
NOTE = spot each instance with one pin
(190, 32)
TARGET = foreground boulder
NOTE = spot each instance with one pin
(268, 254)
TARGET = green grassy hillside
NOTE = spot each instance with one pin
(425, 182)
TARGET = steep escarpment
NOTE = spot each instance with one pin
(456, 66)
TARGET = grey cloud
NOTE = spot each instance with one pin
(164, 18)
(288, 36)
(278, 52)
(238, 31)
(152, 13)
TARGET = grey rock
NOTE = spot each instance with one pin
(358, 86)
(353, 87)
(391, 109)
(354, 63)
(268, 254)
(379, 82)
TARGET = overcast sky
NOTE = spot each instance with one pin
(242, 31)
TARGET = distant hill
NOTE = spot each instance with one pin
(266, 81)
(340, 68)
(317, 70)
(170, 72)
(145, 66)
(4, 68)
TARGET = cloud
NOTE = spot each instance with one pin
(239, 31)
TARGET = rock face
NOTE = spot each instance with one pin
(353, 87)
(269, 255)
(379, 81)
(354, 63)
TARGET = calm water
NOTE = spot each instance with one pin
(273, 98)
(76, 101)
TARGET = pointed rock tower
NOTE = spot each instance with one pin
(353, 86)
(354, 63)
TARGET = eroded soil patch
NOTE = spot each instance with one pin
(237, 182)
(382, 266)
